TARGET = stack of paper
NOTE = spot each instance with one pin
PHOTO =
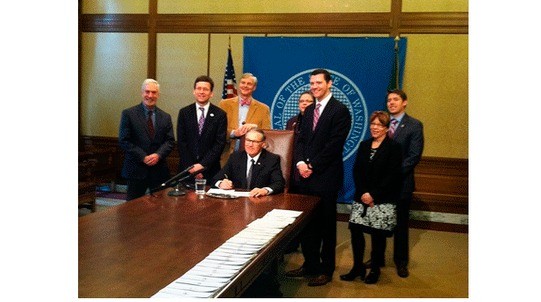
(214, 272)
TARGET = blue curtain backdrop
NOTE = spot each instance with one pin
(361, 68)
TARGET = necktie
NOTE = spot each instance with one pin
(244, 102)
(316, 115)
(392, 129)
(249, 176)
(201, 119)
(150, 124)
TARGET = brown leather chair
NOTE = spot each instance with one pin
(279, 142)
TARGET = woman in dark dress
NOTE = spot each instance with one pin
(378, 180)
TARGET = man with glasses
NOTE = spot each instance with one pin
(254, 169)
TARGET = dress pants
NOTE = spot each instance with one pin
(138, 187)
(401, 232)
(318, 240)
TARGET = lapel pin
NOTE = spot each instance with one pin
(212, 114)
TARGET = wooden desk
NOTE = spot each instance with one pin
(137, 248)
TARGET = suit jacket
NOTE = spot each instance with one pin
(258, 114)
(266, 171)
(322, 147)
(135, 140)
(409, 134)
(381, 177)
(206, 148)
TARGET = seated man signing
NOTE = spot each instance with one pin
(254, 169)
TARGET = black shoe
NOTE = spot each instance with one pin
(299, 273)
(354, 273)
(372, 277)
(320, 280)
(368, 263)
(402, 271)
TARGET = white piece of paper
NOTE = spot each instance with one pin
(217, 191)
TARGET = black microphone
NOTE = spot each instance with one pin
(188, 176)
(173, 180)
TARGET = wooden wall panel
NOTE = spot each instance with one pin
(433, 23)
(134, 23)
(294, 23)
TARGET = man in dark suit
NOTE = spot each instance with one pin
(253, 169)
(146, 136)
(201, 131)
(408, 132)
(318, 155)
(264, 179)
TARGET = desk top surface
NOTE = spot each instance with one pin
(137, 248)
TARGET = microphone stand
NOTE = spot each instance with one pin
(177, 182)
(178, 191)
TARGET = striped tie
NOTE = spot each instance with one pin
(316, 116)
(201, 119)
(392, 129)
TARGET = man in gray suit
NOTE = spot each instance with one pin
(146, 136)
(408, 132)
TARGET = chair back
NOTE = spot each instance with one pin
(279, 142)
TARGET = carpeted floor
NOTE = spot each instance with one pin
(438, 269)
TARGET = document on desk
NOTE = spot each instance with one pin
(215, 192)
(284, 213)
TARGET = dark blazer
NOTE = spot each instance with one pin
(409, 134)
(294, 123)
(381, 177)
(266, 172)
(323, 147)
(206, 148)
(135, 140)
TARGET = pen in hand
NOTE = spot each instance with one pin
(227, 183)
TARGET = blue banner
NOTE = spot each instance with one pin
(361, 69)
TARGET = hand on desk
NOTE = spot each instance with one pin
(257, 192)
(226, 184)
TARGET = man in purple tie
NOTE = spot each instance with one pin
(408, 132)
(318, 158)
(201, 131)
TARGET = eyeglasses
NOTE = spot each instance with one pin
(377, 125)
(252, 141)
